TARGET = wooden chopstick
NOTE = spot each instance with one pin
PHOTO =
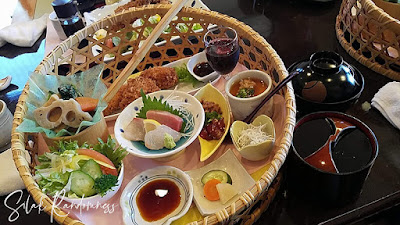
(142, 51)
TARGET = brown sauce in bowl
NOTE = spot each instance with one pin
(157, 199)
(257, 86)
(202, 69)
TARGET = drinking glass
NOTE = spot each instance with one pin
(222, 49)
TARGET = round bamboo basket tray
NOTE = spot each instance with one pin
(370, 35)
(75, 54)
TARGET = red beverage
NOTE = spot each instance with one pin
(223, 54)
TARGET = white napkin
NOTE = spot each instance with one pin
(23, 34)
(387, 101)
(9, 176)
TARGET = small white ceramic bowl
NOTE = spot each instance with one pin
(98, 199)
(242, 107)
(131, 214)
(139, 149)
(199, 58)
(258, 151)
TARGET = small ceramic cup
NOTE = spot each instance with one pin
(6, 119)
(242, 107)
(57, 26)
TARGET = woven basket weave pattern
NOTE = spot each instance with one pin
(370, 35)
(256, 53)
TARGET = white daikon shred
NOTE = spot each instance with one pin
(253, 135)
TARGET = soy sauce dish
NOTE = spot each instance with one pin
(332, 155)
(200, 69)
(157, 196)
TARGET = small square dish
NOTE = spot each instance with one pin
(241, 182)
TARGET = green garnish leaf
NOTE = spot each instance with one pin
(111, 151)
(245, 93)
(105, 183)
(68, 91)
(62, 146)
(185, 76)
(210, 116)
(155, 104)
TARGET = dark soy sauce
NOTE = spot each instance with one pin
(311, 135)
(352, 152)
(153, 207)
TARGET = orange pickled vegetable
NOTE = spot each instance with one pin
(87, 104)
(210, 190)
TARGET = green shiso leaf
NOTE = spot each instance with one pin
(185, 76)
(155, 104)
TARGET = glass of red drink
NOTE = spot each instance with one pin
(222, 49)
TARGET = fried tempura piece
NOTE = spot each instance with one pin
(165, 77)
(130, 92)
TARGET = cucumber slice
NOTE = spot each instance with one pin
(92, 168)
(82, 184)
(216, 174)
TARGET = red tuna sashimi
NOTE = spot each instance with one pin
(166, 118)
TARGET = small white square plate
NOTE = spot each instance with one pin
(241, 181)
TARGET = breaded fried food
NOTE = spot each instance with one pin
(165, 77)
(130, 92)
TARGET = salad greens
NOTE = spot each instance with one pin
(53, 174)
(110, 149)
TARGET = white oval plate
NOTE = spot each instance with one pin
(131, 214)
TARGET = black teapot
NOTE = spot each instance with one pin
(326, 82)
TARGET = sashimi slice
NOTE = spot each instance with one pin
(166, 118)
(134, 131)
(154, 139)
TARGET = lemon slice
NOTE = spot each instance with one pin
(150, 124)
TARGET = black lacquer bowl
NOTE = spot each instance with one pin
(333, 131)
(326, 83)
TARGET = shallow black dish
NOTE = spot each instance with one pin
(328, 188)
(326, 83)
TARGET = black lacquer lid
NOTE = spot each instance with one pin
(326, 78)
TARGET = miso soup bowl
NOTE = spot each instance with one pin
(328, 188)
(242, 107)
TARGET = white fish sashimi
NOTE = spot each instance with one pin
(154, 139)
(135, 130)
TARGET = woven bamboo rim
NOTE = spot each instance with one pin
(256, 53)
(370, 35)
